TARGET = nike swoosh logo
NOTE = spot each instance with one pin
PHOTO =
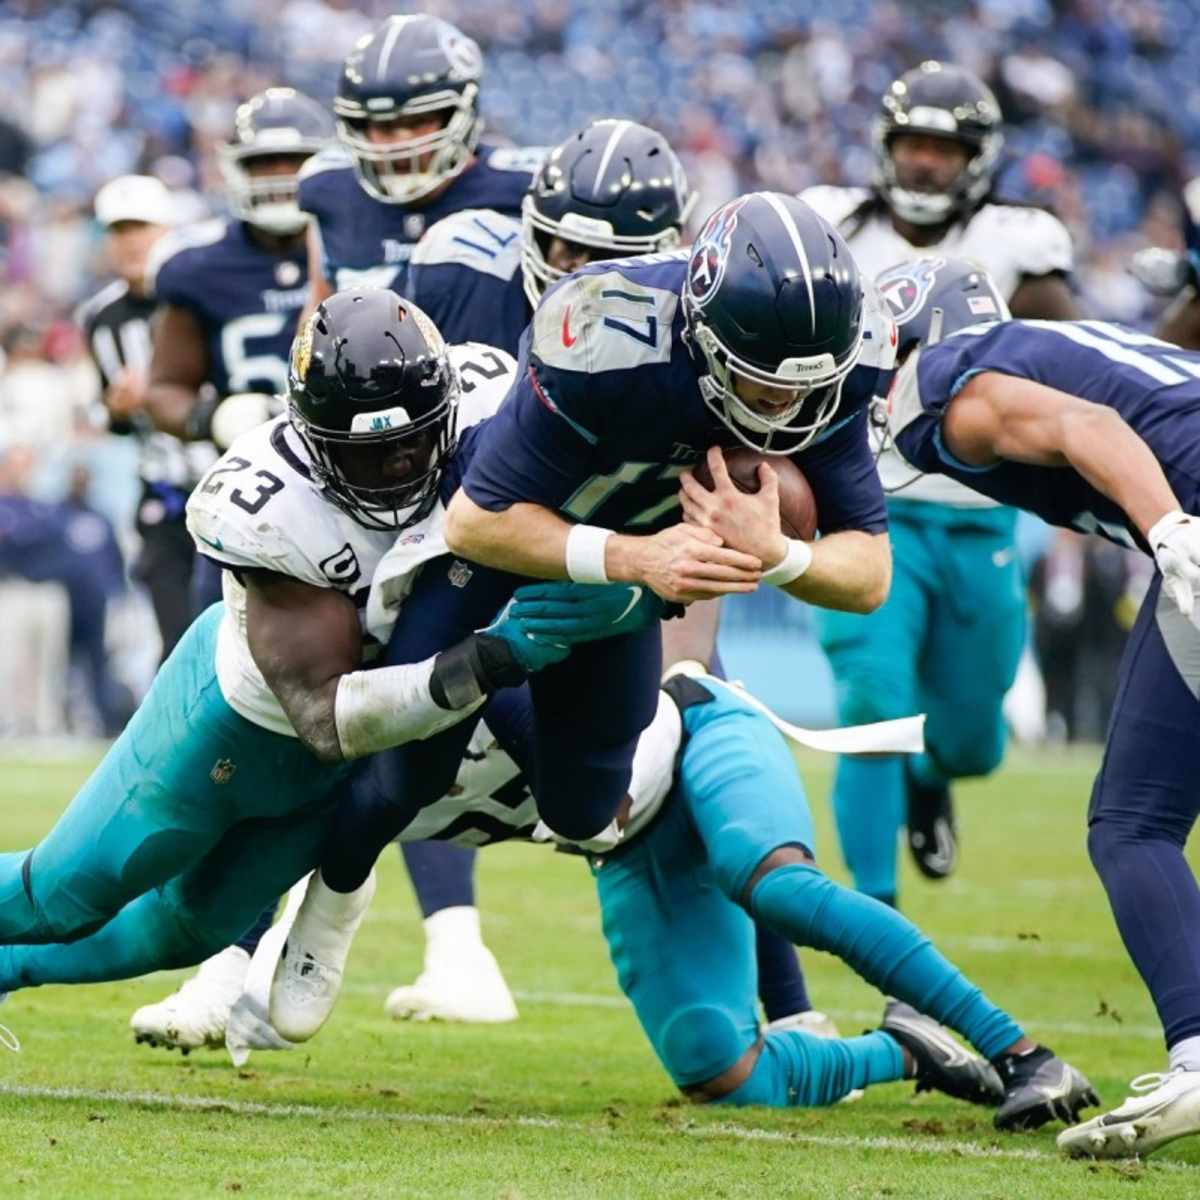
(1055, 1091)
(1001, 558)
(208, 542)
(636, 595)
(567, 339)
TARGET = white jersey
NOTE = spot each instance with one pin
(258, 507)
(490, 800)
(1008, 241)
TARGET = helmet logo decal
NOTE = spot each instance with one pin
(302, 349)
(706, 267)
(380, 422)
(462, 53)
(906, 287)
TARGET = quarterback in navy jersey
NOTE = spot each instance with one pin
(407, 109)
(610, 407)
(1094, 427)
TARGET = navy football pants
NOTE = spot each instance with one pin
(589, 711)
(1144, 803)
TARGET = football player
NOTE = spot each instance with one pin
(409, 153)
(949, 638)
(614, 189)
(1093, 427)
(719, 833)
(218, 794)
(136, 211)
(629, 372)
(1174, 273)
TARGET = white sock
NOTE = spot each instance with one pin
(1185, 1055)
(338, 908)
(452, 929)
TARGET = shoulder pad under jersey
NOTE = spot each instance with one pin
(477, 239)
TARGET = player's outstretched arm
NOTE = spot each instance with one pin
(178, 370)
(998, 417)
(850, 571)
(306, 642)
(680, 563)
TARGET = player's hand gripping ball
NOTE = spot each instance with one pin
(797, 505)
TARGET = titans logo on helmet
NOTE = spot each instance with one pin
(906, 286)
(706, 267)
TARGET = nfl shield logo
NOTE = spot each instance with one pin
(459, 573)
(223, 770)
(414, 226)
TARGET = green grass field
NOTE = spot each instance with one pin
(569, 1101)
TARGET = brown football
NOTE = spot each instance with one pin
(797, 505)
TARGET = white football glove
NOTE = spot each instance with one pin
(241, 412)
(1175, 540)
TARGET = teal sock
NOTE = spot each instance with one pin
(926, 772)
(799, 1070)
(884, 947)
(868, 806)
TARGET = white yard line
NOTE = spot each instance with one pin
(923, 1145)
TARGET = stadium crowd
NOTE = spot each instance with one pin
(773, 93)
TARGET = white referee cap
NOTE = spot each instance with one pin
(135, 198)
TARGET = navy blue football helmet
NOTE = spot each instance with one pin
(773, 300)
(931, 298)
(939, 100)
(410, 67)
(615, 187)
(280, 123)
(374, 398)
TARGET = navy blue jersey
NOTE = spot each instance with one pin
(247, 300)
(1154, 385)
(606, 412)
(367, 243)
(466, 274)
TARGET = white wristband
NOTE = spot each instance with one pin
(585, 554)
(792, 565)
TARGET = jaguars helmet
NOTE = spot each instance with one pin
(615, 187)
(373, 396)
(410, 67)
(772, 298)
(939, 100)
(931, 298)
(279, 123)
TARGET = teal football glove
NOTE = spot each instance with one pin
(531, 652)
(584, 612)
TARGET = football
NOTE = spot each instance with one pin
(797, 505)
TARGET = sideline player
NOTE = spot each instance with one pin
(628, 373)
(948, 639)
(410, 152)
(1174, 273)
(217, 796)
(614, 189)
(1094, 427)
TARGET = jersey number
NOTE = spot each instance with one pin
(267, 487)
(588, 498)
(492, 370)
(253, 372)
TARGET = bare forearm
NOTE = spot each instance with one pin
(850, 571)
(1117, 463)
(169, 406)
(525, 539)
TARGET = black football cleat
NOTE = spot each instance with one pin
(943, 1064)
(932, 833)
(1040, 1087)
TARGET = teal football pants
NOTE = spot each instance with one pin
(683, 944)
(194, 820)
(947, 643)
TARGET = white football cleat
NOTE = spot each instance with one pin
(195, 1015)
(309, 975)
(461, 981)
(1163, 1108)
(818, 1024)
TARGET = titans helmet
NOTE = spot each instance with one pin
(411, 68)
(615, 187)
(772, 299)
(374, 398)
(280, 125)
(931, 298)
(938, 100)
